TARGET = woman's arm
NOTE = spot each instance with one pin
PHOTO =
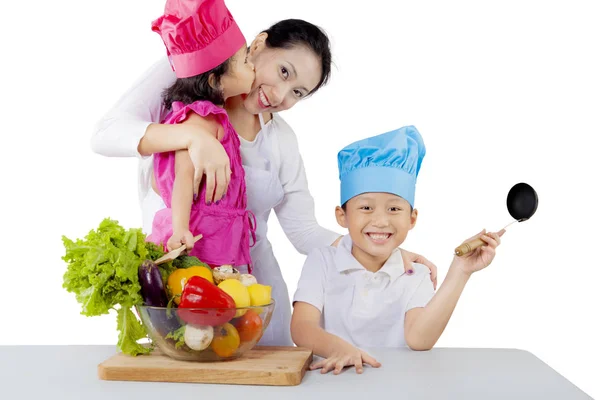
(132, 129)
(296, 213)
(120, 130)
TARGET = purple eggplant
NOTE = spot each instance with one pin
(153, 288)
(155, 295)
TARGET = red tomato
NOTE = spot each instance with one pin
(249, 326)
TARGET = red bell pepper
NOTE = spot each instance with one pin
(215, 306)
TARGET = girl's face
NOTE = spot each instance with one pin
(240, 75)
(283, 76)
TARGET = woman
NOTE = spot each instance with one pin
(292, 60)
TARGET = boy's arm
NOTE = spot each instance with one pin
(307, 332)
(423, 326)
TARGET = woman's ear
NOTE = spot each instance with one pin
(257, 45)
(340, 216)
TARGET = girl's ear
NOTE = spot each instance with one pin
(340, 216)
(257, 45)
(212, 81)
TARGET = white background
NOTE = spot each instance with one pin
(502, 92)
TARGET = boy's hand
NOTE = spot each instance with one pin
(482, 256)
(348, 355)
(179, 239)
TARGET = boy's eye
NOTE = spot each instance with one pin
(367, 208)
(395, 209)
(284, 72)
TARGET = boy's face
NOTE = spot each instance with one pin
(377, 222)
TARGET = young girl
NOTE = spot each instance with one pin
(208, 53)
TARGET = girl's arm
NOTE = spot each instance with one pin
(423, 326)
(181, 201)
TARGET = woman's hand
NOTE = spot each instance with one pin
(347, 355)
(482, 256)
(180, 238)
(410, 258)
(208, 157)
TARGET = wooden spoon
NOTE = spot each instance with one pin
(170, 256)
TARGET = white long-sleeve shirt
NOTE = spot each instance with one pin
(119, 132)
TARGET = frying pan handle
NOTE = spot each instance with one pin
(468, 247)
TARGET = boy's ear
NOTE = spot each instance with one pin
(413, 218)
(257, 45)
(340, 216)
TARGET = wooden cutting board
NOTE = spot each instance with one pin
(273, 366)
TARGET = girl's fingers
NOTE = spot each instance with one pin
(221, 184)
(198, 174)
(318, 364)
(210, 185)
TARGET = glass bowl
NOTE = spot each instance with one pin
(205, 334)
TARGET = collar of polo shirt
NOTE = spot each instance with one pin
(345, 261)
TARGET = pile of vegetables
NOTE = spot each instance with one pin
(112, 269)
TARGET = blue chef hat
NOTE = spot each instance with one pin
(388, 163)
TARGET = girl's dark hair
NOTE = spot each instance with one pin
(292, 32)
(195, 88)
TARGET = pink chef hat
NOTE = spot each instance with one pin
(199, 35)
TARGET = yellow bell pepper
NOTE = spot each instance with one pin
(178, 278)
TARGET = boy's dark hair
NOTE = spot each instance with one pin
(195, 88)
(288, 33)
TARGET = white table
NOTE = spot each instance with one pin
(70, 372)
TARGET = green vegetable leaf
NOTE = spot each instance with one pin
(178, 336)
(130, 331)
(102, 272)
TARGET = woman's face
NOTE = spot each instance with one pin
(283, 76)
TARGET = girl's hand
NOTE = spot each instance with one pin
(482, 256)
(410, 258)
(347, 356)
(208, 157)
(178, 239)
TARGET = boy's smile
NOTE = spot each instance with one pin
(378, 223)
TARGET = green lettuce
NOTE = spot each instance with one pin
(102, 272)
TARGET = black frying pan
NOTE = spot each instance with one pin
(522, 202)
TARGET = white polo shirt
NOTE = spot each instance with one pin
(362, 307)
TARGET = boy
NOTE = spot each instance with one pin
(358, 295)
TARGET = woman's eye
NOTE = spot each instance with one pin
(284, 72)
(298, 93)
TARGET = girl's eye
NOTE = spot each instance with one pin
(298, 93)
(284, 72)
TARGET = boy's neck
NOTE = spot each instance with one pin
(369, 262)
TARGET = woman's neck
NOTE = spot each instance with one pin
(246, 125)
